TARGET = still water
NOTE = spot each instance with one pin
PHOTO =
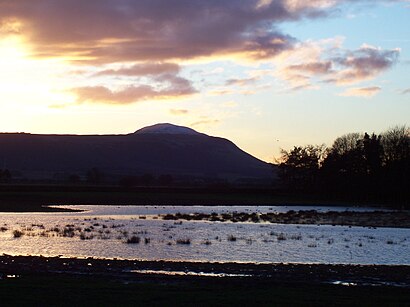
(108, 232)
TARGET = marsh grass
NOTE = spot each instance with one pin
(18, 233)
(231, 238)
(207, 242)
(185, 241)
(134, 240)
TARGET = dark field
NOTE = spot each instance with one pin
(47, 281)
(32, 198)
(61, 290)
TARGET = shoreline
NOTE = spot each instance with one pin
(41, 281)
(133, 270)
(28, 281)
(395, 219)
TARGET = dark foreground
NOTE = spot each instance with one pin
(58, 281)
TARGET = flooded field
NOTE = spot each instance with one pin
(139, 232)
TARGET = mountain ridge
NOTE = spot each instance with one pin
(158, 149)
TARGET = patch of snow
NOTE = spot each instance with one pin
(167, 129)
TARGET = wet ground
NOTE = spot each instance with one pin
(136, 271)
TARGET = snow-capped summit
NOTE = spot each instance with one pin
(166, 128)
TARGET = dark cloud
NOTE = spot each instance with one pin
(109, 31)
(157, 33)
(406, 91)
(340, 66)
(364, 63)
(178, 86)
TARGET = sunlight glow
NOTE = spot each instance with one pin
(24, 80)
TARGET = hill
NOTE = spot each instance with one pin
(157, 150)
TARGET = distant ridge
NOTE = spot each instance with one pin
(158, 150)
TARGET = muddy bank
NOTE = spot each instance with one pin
(130, 270)
(394, 219)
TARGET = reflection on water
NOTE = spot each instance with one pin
(189, 273)
(135, 232)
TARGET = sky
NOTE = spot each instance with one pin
(266, 74)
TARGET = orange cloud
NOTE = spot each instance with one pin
(205, 122)
(178, 111)
(177, 87)
(142, 69)
(145, 38)
(361, 92)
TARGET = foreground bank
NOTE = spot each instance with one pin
(67, 281)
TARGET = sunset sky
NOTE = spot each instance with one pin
(266, 74)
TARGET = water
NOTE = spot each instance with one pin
(103, 232)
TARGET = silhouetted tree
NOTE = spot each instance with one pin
(373, 153)
(345, 157)
(346, 143)
(396, 144)
(396, 163)
(362, 166)
(299, 167)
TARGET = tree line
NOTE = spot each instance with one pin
(357, 167)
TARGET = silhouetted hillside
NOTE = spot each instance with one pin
(158, 149)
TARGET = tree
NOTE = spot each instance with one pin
(396, 163)
(299, 167)
(354, 155)
(373, 153)
(396, 144)
(360, 167)
(346, 143)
